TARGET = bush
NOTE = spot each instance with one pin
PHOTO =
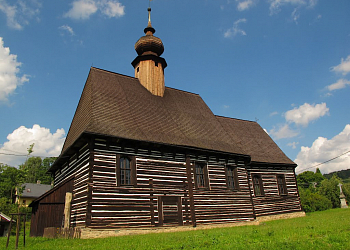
(311, 201)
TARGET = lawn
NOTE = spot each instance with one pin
(319, 230)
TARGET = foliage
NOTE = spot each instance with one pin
(320, 230)
(330, 189)
(318, 193)
(343, 174)
(312, 201)
(35, 169)
(307, 178)
(10, 178)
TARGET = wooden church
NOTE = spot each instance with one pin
(140, 154)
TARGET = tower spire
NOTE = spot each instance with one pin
(149, 66)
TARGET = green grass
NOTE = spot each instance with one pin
(319, 230)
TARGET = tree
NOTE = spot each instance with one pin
(307, 178)
(35, 169)
(10, 179)
(312, 201)
(330, 189)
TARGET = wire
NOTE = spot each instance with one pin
(26, 155)
(323, 162)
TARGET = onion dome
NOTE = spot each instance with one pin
(149, 44)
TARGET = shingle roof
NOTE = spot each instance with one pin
(33, 190)
(117, 105)
(254, 140)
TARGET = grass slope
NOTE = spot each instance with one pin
(319, 230)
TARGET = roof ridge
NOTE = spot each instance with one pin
(183, 91)
(232, 118)
(111, 72)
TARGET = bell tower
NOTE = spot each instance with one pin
(149, 66)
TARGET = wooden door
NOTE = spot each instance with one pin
(170, 210)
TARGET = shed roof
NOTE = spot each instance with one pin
(4, 218)
(32, 190)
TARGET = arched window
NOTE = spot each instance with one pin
(258, 185)
(231, 178)
(126, 171)
(201, 175)
(281, 183)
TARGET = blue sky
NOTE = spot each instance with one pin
(283, 63)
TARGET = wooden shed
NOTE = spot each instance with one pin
(140, 154)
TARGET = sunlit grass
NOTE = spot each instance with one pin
(319, 230)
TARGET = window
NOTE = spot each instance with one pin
(126, 171)
(231, 178)
(201, 175)
(258, 185)
(138, 69)
(156, 64)
(281, 183)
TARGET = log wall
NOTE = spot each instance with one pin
(116, 207)
(162, 195)
(272, 202)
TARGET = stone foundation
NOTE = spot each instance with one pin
(281, 216)
(88, 233)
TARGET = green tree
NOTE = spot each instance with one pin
(330, 189)
(35, 169)
(10, 179)
(312, 201)
(307, 178)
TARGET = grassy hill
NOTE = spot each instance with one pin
(319, 230)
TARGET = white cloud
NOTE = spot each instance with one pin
(235, 30)
(45, 144)
(83, 9)
(68, 29)
(343, 67)
(19, 13)
(9, 70)
(274, 113)
(293, 144)
(245, 4)
(323, 150)
(275, 5)
(283, 131)
(306, 113)
(340, 84)
(295, 15)
(112, 8)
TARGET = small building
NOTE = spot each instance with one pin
(31, 191)
(140, 154)
(4, 224)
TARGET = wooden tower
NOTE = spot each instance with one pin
(149, 66)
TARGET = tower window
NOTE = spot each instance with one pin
(138, 69)
(156, 63)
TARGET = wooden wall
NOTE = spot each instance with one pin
(272, 202)
(115, 207)
(163, 175)
(48, 210)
